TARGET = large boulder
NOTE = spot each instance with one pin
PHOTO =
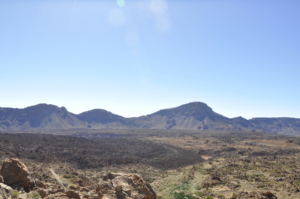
(129, 186)
(70, 194)
(15, 173)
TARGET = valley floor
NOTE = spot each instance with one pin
(178, 164)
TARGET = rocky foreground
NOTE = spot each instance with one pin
(16, 182)
(230, 165)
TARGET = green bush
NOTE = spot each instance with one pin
(233, 196)
(72, 186)
(183, 195)
(198, 187)
(14, 193)
(296, 182)
(198, 193)
(68, 176)
(34, 195)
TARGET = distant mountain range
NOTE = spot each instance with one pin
(195, 115)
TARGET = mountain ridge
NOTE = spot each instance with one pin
(194, 115)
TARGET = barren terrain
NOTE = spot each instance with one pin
(177, 163)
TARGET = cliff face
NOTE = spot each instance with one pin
(195, 115)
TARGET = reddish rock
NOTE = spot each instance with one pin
(129, 186)
(43, 192)
(73, 194)
(67, 195)
(41, 184)
(269, 195)
(15, 172)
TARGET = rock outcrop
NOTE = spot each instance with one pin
(4, 191)
(16, 174)
(254, 195)
(129, 186)
(211, 181)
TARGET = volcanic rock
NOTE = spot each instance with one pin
(73, 194)
(4, 191)
(5, 187)
(129, 186)
(15, 173)
(255, 195)
(211, 181)
(70, 194)
(43, 192)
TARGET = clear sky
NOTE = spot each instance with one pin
(241, 57)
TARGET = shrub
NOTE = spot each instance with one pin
(183, 195)
(197, 187)
(234, 196)
(68, 176)
(72, 186)
(296, 182)
(34, 195)
(14, 193)
(198, 193)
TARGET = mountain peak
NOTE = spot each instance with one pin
(96, 111)
(49, 108)
(41, 106)
(99, 115)
(198, 110)
(196, 105)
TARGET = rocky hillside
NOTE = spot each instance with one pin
(17, 182)
(195, 115)
(99, 118)
(41, 116)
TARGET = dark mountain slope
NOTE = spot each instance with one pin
(101, 118)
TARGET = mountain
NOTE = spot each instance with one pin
(99, 118)
(284, 125)
(195, 115)
(42, 116)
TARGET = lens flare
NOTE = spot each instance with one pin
(121, 3)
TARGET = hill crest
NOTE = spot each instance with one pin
(194, 115)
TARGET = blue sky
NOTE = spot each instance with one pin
(133, 58)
